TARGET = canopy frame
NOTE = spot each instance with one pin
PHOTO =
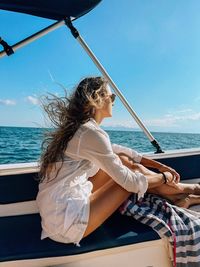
(75, 33)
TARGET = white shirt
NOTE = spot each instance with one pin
(64, 201)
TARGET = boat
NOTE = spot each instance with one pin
(120, 240)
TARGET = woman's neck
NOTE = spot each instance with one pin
(98, 118)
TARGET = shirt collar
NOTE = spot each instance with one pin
(93, 120)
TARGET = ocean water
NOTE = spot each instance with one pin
(20, 144)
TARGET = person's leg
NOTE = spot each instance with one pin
(188, 201)
(163, 189)
(107, 191)
(181, 188)
(99, 179)
(183, 195)
(184, 200)
(103, 202)
(106, 197)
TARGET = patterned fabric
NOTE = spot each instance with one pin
(180, 226)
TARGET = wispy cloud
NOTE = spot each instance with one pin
(171, 120)
(174, 119)
(32, 99)
(121, 124)
(7, 102)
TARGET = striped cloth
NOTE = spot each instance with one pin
(180, 226)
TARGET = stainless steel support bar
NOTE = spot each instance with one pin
(115, 88)
(77, 36)
(34, 37)
(97, 63)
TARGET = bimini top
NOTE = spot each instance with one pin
(51, 9)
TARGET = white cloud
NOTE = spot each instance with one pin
(174, 119)
(183, 119)
(119, 124)
(181, 111)
(33, 100)
(7, 102)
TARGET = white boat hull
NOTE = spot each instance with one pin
(146, 254)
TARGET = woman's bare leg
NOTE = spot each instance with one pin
(107, 191)
(183, 195)
(184, 200)
(107, 196)
(99, 179)
(163, 189)
(103, 202)
(188, 201)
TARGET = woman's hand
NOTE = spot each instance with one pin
(170, 179)
(176, 176)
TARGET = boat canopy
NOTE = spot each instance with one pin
(51, 9)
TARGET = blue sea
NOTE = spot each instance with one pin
(20, 144)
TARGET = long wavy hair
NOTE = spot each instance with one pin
(67, 114)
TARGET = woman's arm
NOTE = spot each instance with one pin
(126, 151)
(96, 147)
(149, 163)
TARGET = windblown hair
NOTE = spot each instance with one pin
(67, 115)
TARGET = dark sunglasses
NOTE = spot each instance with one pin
(112, 97)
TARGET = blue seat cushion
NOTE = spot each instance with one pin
(20, 237)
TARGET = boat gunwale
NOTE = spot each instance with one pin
(32, 167)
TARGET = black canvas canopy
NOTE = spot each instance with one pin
(51, 9)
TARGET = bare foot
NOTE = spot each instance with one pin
(188, 201)
(196, 189)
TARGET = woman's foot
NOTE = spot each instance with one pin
(188, 201)
(189, 188)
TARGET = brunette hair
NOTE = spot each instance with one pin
(67, 114)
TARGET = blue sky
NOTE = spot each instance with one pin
(151, 49)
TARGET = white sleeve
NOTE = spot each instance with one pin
(96, 147)
(128, 151)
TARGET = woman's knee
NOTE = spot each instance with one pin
(128, 162)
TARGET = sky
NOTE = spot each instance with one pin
(151, 49)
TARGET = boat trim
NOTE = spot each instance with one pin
(32, 167)
(105, 257)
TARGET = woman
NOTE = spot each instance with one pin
(84, 178)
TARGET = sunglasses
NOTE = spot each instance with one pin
(112, 97)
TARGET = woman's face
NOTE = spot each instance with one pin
(106, 110)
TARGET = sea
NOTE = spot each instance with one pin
(23, 144)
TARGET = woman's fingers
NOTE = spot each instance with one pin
(171, 177)
(176, 176)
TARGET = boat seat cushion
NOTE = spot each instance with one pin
(20, 237)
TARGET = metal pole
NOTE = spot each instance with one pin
(34, 37)
(76, 34)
